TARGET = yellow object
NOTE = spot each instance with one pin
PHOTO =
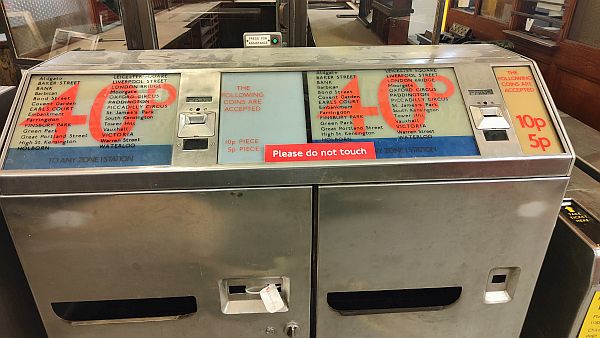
(527, 111)
(591, 323)
(445, 15)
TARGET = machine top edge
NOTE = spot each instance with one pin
(253, 57)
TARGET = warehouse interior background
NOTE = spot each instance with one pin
(562, 37)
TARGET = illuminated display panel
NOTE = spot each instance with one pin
(79, 121)
(410, 112)
(528, 111)
(259, 109)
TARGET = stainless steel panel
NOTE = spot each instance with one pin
(200, 72)
(147, 178)
(312, 58)
(428, 235)
(140, 232)
(19, 317)
(564, 289)
(122, 246)
(198, 83)
(481, 76)
(570, 275)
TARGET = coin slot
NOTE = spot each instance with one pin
(495, 135)
(195, 144)
(498, 279)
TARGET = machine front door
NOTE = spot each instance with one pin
(167, 264)
(450, 259)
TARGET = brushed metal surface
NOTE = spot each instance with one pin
(472, 65)
(563, 291)
(100, 247)
(19, 317)
(198, 83)
(397, 236)
(281, 58)
(570, 275)
(138, 232)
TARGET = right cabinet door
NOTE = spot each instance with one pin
(444, 259)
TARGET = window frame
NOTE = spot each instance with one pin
(517, 20)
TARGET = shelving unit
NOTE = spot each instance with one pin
(209, 30)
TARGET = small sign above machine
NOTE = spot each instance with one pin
(263, 39)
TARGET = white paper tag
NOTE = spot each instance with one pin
(271, 298)
(528, 24)
(463, 3)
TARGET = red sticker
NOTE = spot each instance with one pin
(319, 152)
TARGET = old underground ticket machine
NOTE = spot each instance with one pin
(284, 192)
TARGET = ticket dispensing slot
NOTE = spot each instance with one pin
(243, 295)
(390, 301)
(125, 310)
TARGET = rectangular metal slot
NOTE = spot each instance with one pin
(195, 144)
(242, 289)
(501, 285)
(125, 310)
(389, 301)
(242, 295)
(498, 279)
(495, 135)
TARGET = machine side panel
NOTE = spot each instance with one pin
(562, 286)
(137, 246)
(433, 238)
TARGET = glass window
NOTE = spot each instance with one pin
(584, 26)
(466, 5)
(201, 24)
(547, 15)
(44, 28)
(497, 9)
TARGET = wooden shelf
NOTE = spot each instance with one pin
(539, 17)
(524, 37)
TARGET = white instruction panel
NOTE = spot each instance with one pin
(81, 121)
(259, 109)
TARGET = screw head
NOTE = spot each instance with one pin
(270, 330)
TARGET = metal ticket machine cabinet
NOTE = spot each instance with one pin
(569, 282)
(284, 192)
